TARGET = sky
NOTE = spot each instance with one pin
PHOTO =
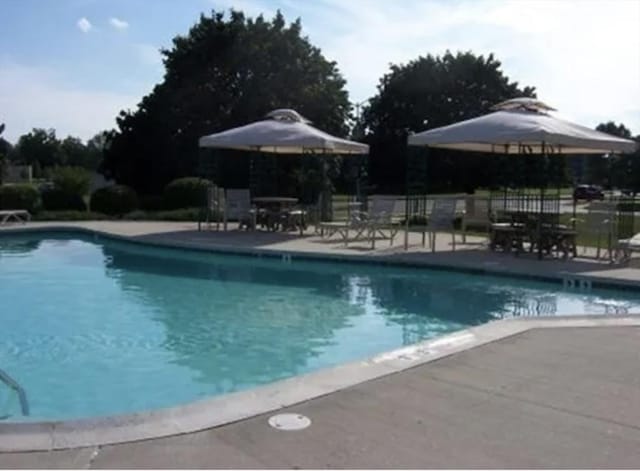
(72, 65)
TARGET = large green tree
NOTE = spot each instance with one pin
(620, 171)
(225, 72)
(5, 149)
(428, 92)
(76, 153)
(40, 148)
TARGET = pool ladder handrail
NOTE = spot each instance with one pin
(13, 384)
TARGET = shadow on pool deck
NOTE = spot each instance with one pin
(546, 398)
(474, 255)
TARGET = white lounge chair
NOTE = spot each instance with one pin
(626, 247)
(18, 215)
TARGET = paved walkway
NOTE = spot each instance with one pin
(546, 398)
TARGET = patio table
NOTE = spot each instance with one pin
(276, 211)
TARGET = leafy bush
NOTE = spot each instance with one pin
(186, 193)
(185, 214)
(151, 202)
(69, 216)
(55, 199)
(114, 200)
(19, 196)
(72, 180)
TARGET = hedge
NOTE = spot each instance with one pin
(114, 200)
(56, 199)
(19, 196)
(186, 192)
(69, 216)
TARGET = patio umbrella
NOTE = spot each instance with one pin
(283, 132)
(522, 126)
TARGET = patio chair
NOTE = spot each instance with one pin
(215, 206)
(598, 223)
(442, 218)
(237, 206)
(382, 217)
(18, 215)
(477, 212)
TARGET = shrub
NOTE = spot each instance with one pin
(69, 216)
(72, 180)
(114, 200)
(185, 214)
(186, 193)
(19, 196)
(55, 199)
(151, 202)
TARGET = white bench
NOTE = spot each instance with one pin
(18, 215)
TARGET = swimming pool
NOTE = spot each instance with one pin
(94, 326)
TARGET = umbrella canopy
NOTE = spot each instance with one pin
(521, 126)
(283, 132)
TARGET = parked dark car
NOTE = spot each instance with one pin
(588, 192)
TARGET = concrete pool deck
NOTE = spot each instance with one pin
(566, 397)
(537, 392)
(473, 255)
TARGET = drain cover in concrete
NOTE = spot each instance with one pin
(289, 421)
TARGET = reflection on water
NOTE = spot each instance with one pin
(128, 327)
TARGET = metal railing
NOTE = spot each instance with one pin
(19, 390)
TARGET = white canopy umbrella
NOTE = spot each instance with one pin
(521, 126)
(283, 132)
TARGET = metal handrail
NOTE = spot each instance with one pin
(13, 384)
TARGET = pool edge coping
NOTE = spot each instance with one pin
(228, 408)
(392, 260)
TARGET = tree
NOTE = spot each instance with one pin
(88, 156)
(223, 73)
(39, 148)
(621, 171)
(5, 150)
(429, 92)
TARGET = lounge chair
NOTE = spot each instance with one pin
(237, 206)
(442, 218)
(625, 248)
(353, 222)
(18, 215)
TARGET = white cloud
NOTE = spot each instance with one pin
(118, 23)
(84, 25)
(39, 98)
(582, 56)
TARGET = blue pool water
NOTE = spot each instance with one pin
(94, 327)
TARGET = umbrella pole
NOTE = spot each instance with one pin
(541, 210)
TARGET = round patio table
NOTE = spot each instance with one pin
(273, 211)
